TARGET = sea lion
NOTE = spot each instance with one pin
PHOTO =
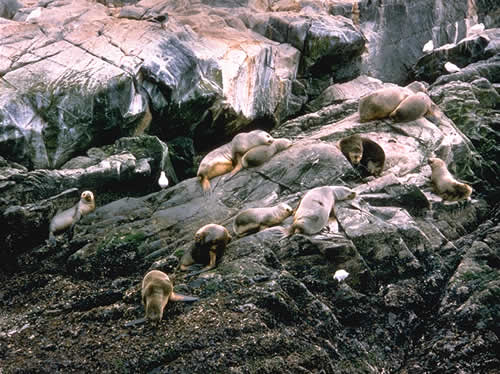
(412, 108)
(228, 156)
(316, 207)
(256, 219)
(69, 217)
(363, 151)
(262, 153)
(210, 242)
(445, 185)
(382, 102)
(157, 291)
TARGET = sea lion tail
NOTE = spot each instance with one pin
(179, 297)
(463, 191)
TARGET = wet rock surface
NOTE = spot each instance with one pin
(423, 290)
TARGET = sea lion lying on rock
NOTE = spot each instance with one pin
(412, 108)
(256, 219)
(227, 157)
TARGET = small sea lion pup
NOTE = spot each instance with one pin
(363, 151)
(225, 158)
(412, 108)
(316, 207)
(69, 217)
(260, 154)
(209, 245)
(256, 219)
(157, 291)
(445, 185)
(382, 102)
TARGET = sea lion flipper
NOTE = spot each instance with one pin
(236, 169)
(179, 297)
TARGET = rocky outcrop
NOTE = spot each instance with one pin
(31, 198)
(404, 248)
(397, 31)
(422, 293)
(77, 74)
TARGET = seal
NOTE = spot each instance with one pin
(316, 207)
(412, 108)
(157, 291)
(445, 185)
(69, 217)
(245, 141)
(228, 156)
(262, 153)
(256, 219)
(382, 102)
(210, 242)
(363, 151)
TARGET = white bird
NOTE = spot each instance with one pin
(451, 68)
(428, 47)
(476, 29)
(340, 275)
(163, 181)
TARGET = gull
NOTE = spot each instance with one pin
(451, 68)
(163, 181)
(477, 28)
(340, 275)
(428, 47)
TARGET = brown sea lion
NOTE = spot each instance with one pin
(69, 217)
(157, 291)
(382, 102)
(227, 157)
(316, 207)
(256, 219)
(445, 185)
(210, 242)
(360, 150)
(262, 153)
(412, 108)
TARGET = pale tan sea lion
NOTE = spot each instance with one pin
(69, 217)
(316, 207)
(360, 150)
(225, 158)
(256, 219)
(215, 163)
(412, 108)
(381, 103)
(445, 185)
(245, 141)
(210, 242)
(262, 153)
(157, 291)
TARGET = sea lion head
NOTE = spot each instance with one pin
(87, 196)
(355, 156)
(287, 209)
(264, 136)
(154, 310)
(435, 163)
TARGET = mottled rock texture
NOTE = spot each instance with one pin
(104, 95)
